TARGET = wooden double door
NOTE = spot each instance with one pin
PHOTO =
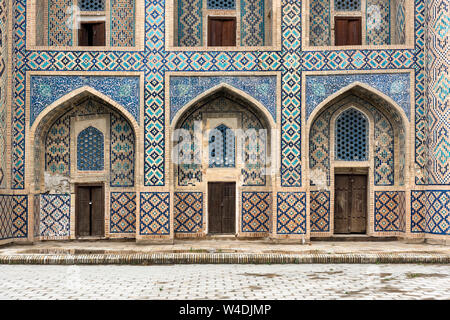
(89, 211)
(221, 207)
(350, 203)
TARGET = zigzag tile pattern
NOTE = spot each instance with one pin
(256, 211)
(155, 213)
(123, 212)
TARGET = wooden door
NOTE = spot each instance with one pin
(221, 32)
(347, 31)
(221, 207)
(89, 211)
(350, 204)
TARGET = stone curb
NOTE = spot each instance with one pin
(221, 258)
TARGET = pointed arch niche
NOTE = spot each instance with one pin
(83, 139)
(356, 132)
(195, 165)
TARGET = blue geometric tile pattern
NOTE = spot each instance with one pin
(418, 208)
(44, 90)
(122, 152)
(19, 216)
(5, 217)
(437, 219)
(252, 23)
(291, 213)
(320, 211)
(222, 147)
(123, 212)
(54, 215)
(90, 150)
(393, 85)
(155, 213)
(386, 211)
(256, 211)
(188, 212)
(184, 89)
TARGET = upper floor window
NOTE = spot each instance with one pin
(356, 22)
(85, 23)
(218, 23)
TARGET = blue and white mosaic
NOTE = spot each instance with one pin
(396, 86)
(185, 89)
(45, 90)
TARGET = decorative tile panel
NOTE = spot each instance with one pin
(347, 5)
(378, 23)
(221, 4)
(418, 209)
(155, 213)
(19, 216)
(59, 33)
(256, 211)
(384, 150)
(92, 5)
(45, 90)
(122, 23)
(394, 85)
(54, 215)
(188, 212)
(437, 68)
(122, 152)
(252, 23)
(184, 89)
(190, 23)
(320, 211)
(386, 211)
(437, 218)
(319, 23)
(6, 227)
(222, 148)
(4, 84)
(400, 21)
(291, 213)
(57, 147)
(123, 212)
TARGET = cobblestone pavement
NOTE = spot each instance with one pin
(324, 281)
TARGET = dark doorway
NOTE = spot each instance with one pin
(89, 211)
(221, 32)
(92, 34)
(347, 31)
(350, 203)
(221, 207)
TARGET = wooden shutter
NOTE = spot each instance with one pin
(347, 31)
(98, 34)
(221, 32)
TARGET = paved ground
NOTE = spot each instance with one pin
(239, 246)
(226, 282)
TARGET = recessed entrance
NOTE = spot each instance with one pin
(221, 207)
(350, 203)
(89, 211)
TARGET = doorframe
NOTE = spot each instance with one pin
(236, 210)
(90, 184)
(363, 170)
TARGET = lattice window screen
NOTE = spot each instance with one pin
(91, 5)
(221, 4)
(221, 147)
(351, 136)
(347, 5)
(90, 146)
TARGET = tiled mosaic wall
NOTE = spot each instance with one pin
(319, 202)
(430, 212)
(378, 22)
(256, 211)
(290, 60)
(389, 211)
(123, 213)
(59, 32)
(4, 40)
(154, 214)
(54, 216)
(188, 212)
(438, 90)
(291, 213)
(13, 216)
(252, 23)
(122, 23)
